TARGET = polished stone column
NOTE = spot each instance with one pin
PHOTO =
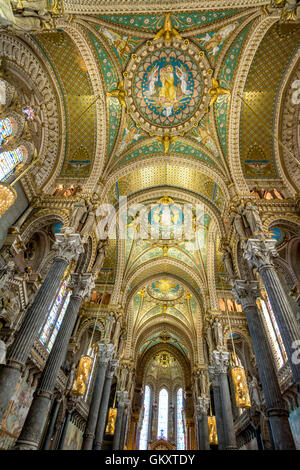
(259, 254)
(81, 285)
(105, 353)
(214, 378)
(101, 422)
(220, 361)
(64, 429)
(67, 247)
(124, 424)
(202, 407)
(246, 293)
(121, 400)
(51, 425)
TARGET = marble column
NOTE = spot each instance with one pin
(51, 424)
(218, 407)
(101, 422)
(124, 424)
(81, 285)
(202, 407)
(259, 254)
(67, 248)
(121, 400)
(105, 353)
(220, 360)
(64, 429)
(246, 293)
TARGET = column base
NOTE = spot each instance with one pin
(34, 424)
(98, 446)
(281, 431)
(25, 445)
(88, 440)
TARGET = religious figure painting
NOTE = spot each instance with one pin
(168, 87)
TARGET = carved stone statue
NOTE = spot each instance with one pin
(236, 220)
(209, 335)
(203, 382)
(90, 220)
(252, 218)
(78, 214)
(254, 392)
(100, 255)
(108, 326)
(227, 260)
(123, 378)
(218, 333)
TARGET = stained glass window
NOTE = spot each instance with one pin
(180, 430)
(273, 332)
(55, 316)
(5, 129)
(163, 413)
(8, 162)
(146, 419)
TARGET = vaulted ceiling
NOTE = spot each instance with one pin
(152, 129)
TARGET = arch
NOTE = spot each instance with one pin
(145, 358)
(264, 23)
(153, 326)
(176, 160)
(40, 219)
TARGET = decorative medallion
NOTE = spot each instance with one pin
(166, 219)
(167, 87)
(165, 289)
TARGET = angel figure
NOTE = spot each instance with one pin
(153, 79)
(167, 140)
(216, 91)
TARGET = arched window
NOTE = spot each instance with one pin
(8, 162)
(55, 316)
(5, 129)
(146, 420)
(179, 416)
(273, 332)
(163, 414)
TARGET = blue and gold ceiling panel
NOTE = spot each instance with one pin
(225, 78)
(267, 70)
(73, 78)
(182, 21)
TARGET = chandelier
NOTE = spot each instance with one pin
(242, 397)
(82, 376)
(8, 195)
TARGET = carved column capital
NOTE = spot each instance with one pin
(220, 361)
(82, 284)
(112, 367)
(202, 405)
(68, 245)
(246, 292)
(105, 352)
(260, 253)
(122, 396)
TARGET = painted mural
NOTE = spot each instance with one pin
(168, 87)
(73, 439)
(15, 414)
(294, 420)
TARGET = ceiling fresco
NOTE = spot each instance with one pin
(167, 83)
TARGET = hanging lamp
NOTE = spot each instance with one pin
(86, 362)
